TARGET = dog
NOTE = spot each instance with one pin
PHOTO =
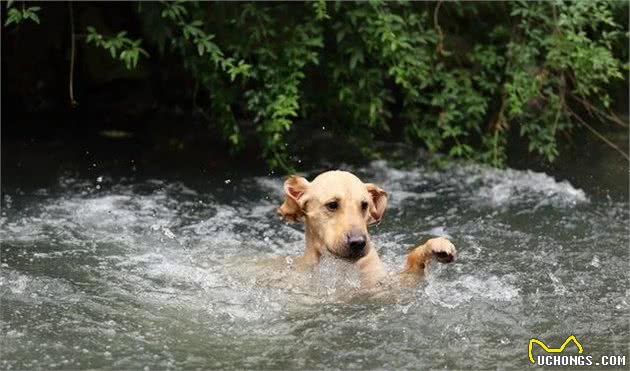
(337, 208)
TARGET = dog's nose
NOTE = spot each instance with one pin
(356, 242)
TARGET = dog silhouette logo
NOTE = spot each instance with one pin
(553, 350)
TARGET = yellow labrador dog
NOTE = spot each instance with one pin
(337, 208)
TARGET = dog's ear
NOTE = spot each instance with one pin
(294, 189)
(379, 203)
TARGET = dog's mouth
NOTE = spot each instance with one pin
(349, 255)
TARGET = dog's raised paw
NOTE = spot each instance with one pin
(444, 257)
(443, 250)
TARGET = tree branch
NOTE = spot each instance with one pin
(599, 135)
(439, 49)
(591, 108)
(72, 52)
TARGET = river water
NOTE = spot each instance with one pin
(125, 272)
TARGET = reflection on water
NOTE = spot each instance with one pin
(125, 273)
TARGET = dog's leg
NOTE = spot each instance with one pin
(419, 258)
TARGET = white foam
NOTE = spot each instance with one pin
(156, 256)
(467, 288)
(476, 182)
(504, 186)
(33, 289)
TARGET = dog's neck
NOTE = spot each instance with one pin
(370, 266)
(313, 247)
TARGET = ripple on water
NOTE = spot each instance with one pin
(464, 289)
(142, 273)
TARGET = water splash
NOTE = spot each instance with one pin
(464, 289)
(152, 273)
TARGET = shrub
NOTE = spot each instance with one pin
(456, 77)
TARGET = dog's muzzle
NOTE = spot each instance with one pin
(355, 245)
(356, 242)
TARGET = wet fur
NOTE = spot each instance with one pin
(328, 231)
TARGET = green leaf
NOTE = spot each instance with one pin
(29, 13)
(14, 16)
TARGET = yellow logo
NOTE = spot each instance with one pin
(553, 350)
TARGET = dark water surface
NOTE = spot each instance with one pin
(102, 270)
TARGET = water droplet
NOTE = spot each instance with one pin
(99, 179)
(595, 262)
(167, 232)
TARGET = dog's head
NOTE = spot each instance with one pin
(337, 208)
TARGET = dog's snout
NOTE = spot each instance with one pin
(356, 241)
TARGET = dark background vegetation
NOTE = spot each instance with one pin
(284, 84)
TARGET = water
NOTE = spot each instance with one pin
(126, 273)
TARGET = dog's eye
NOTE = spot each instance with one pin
(332, 205)
(364, 205)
